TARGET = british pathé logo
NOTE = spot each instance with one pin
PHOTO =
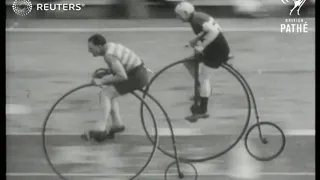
(294, 26)
(297, 4)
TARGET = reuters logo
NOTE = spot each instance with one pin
(22, 7)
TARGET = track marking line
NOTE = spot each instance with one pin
(17, 109)
(166, 132)
(160, 174)
(141, 29)
(15, 24)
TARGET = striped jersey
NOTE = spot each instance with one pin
(127, 57)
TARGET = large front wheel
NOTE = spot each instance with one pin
(227, 91)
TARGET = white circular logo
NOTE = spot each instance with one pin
(22, 7)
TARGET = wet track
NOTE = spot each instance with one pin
(41, 66)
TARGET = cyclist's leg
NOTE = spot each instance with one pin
(205, 87)
(117, 123)
(190, 65)
(100, 131)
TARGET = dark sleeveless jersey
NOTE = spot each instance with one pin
(217, 52)
(199, 19)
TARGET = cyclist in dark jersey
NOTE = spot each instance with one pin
(211, 46)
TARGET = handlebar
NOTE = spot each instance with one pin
(103, 71)
(194, 50)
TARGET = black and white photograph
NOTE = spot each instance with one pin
(160, 89)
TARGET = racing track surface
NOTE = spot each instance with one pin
(42, 66)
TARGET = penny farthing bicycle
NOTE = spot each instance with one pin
(245, 131)
(155, 141)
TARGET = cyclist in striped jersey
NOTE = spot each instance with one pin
(128, 58)
(128, 73)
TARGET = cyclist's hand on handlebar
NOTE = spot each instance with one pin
(198, 49)
(193, 42)
(99, 73)
(97, 82)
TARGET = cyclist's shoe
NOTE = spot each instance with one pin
(98, 136)
(113, 130)
(194, 117)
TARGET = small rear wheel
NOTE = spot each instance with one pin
(264, 140)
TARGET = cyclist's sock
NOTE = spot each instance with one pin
(205, 91)
(204, 104)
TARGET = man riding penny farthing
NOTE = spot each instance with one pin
(211, 51)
